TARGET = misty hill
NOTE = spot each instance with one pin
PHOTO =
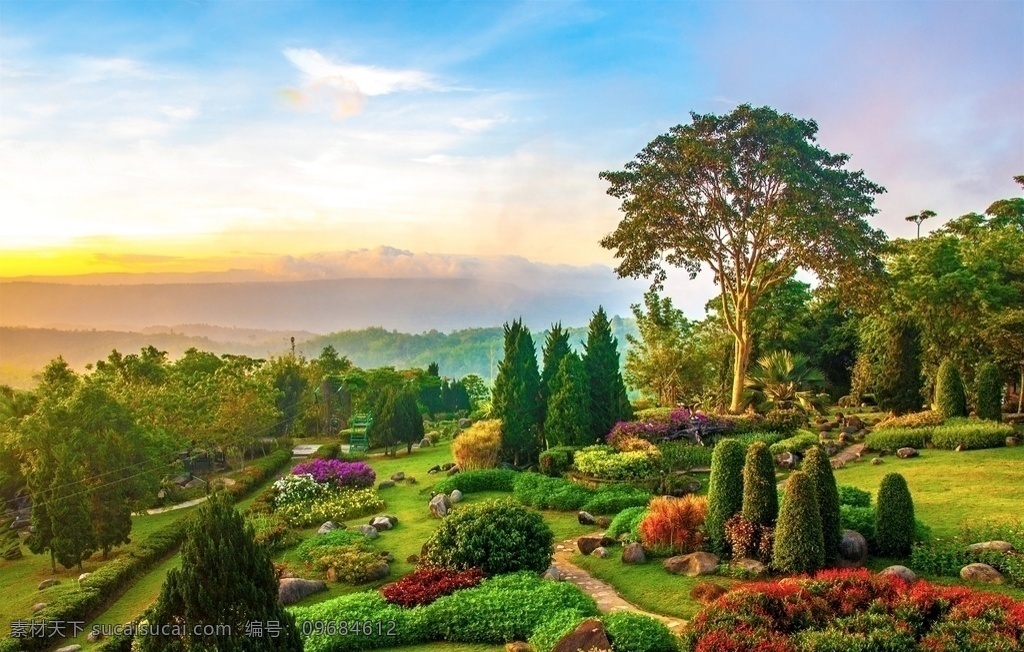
(321, 306)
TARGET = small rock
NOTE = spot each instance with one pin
(412, 559)
(439, 505)
(39, 606)
(603, 521)
(853, 549)
(706, 592)
(293, 589)
(585, 518)
(452, 471)
(379, 573)
(464, 423)
(446, 466)
(751, 567)
(387, 556)
(386, 484)
(997, 546)
(380, 523)
(695, 563)
(83, 577)
(633, 553)
(588, 543)
(192, 484)
(589, 635)
(906, 452)
(398, 477)
(94, 636)
(330, 526)
(517, 646)
(45, 584)
(410, 480)
(367, 531)
(69, 648)
(876, 461)
(425, 443)
(434, 469)
(1012, 441)
(981, 573)
(552, 574)
(600, 552)
(455, 496)
(788, 460)
(901, 572)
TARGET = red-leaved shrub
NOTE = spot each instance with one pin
(673, 525)
(425, 585)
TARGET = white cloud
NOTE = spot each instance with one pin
(477, 124)
(94, 69)
(178, 113)
(365, 80)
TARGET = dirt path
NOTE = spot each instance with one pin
(187, 503)
(607, 598)
(848, 454)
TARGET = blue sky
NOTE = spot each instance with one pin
(152, 136)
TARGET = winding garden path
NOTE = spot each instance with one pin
(607, 598)
(848, 454)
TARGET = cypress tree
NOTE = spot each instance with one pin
(894, 519)
(568, 414)
(516, 397)
(725, 490)
(73, 538)
(899, 382)
(950, 395)
(799, 544)
(383, 430)
(225, 578)
(990, 393)
(411, 421)
(608, 401)
(556, 348)
(819, 470)
(760, 496)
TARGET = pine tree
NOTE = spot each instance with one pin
(899, 383)
(383, 430)
(819, 469)
(990, 393)
(410, 428)
(224, 579)
(516, 399)
(894, 518)
(760, 495)
(556, 348)
(799, 544)
(73, 536)
(568, 414)
(950, 396)
(608, 401)
(725, 490)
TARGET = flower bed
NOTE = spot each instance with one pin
(425, 585)
(338, 505)
(337, 473)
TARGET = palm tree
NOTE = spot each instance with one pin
(783, 381)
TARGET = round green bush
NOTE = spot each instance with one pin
(760, 494)
(950, 396)
(725, 490)
(819, 468)
(894, 520)
(631, 632)
(990, 393)
(799, 544)
(626, 522)
(497, 536)
(853, 496)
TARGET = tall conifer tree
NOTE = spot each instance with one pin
(568, 414)
(608, 401)
(556, 347)
(517, 396)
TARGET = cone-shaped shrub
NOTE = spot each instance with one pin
(818, 467)
(990, 393)
(799, 546)
(950, 396)
(894, 520)
(760, 495)
(725, 490)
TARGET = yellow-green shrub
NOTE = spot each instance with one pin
(478, 447)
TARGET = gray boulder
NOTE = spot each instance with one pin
(552, 574)
(590, 542)
(439, 505)
(693, 564)
(386, 484)
(83, 577)
(981, 573)
(45, 584)
(380, 523)
(39, 606)
(853, 549)
(455, 496)
(367, 531)
(906, 452)
(996, 546)
(901, 572)
(585, 518)
(600, 552)
(330, 526)
(876, 461)
(294, 589)
(398, 477)
(751, 567)
(69, 648)
(633, 553)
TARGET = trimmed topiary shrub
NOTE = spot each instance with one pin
(799, 544)
(970, 434)
(950, 396)
(497, 536)
(556, 461)
(990, 393)
(725, 490)
(894, 524)
(483, 480)
(798, 443)
(760, 495)
(890, 441)
(819, 469)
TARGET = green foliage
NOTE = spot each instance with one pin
(396, 420)
(324, 620)
(788, 421)
(481, 480)
(516, 394)
(783, 381)
(556, 461)
(542, 492)
(890, 441)
(604, 463)
(497, 536)
(990, 393)
(819, 469)
(271, 531)
(626, 522)
(316, 547)
(796, 444)
(608, 401)
(760, 496)
(684, 456)
(568, 421)
(894, 524)
(612, 499)
(553, 629)
(799, 542)
(74, 538)
(631, 632)
(725, 490)
(326, 452)
(950, 395)
(556, 348)
(862, 520)
(224, 578)
(853, 496)
(352, 564)
(972, 434)
(945, 558)
(891, 352)
(912, 420)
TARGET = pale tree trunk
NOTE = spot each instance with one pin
(1020, 392)
(741, 359)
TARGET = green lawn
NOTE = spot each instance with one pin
(949, 487)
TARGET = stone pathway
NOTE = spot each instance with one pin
(848, 454)
(608, 600)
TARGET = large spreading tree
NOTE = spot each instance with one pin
(752, 196)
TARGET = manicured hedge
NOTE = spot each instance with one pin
(605, 463)
(795, 444)
(890, 441)
(482, 480)
(557, 460)
(626, 522)
(542, 492)
(971, 434)
(913, 420)
(853, 496)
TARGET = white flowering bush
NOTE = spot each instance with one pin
(299, 490)
(336, 505)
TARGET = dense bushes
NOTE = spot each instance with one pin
(353, 564)
(799, 543)
(950, 395)
(479, 446)
(785, 422)
(632, 632)
(725, 490)
(912, 420)
(890, 441)
(425, 585)
(626, 522)
(855, 610)
(947, 557)
(315, 547)
(819, 469)
(684, 456)
(542, 492)
(673, 526)
(320, 624)
(483, 480)
(497, 536)
(326, 452)
(990, 393)
(336, 473)
(749, 540)
(796, 444)
(971, 434)
(894, 524)
(853, 496)
(604, 463)
(556, 461)
(862, 520)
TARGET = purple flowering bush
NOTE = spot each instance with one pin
(337, 473)
(652, 425)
